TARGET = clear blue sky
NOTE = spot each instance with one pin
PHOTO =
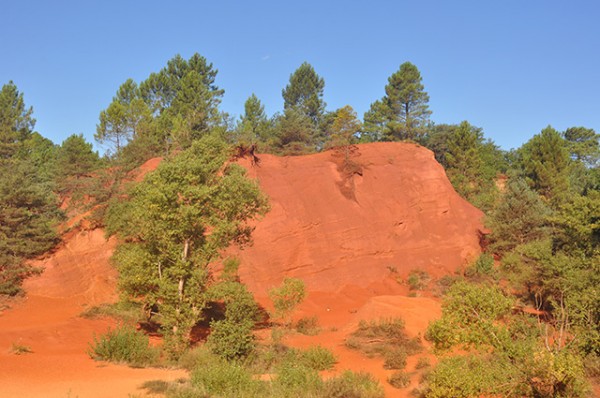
(511, 67)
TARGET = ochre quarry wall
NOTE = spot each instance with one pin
(401, 214)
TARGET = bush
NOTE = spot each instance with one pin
(318, 358)
(124, 345)
(380, 337)
(287, 297)
(422, 363)
(395, 359)
(399, 379)
(417, 280)
(308, 326)
(353, 385)
(227, 379)
(231, 340)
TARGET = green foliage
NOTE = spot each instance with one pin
(469, 376)
(232, 338)
(253, 126)
(469, 316)
(16, 121)
(417, 279)
(343, 129)
(482, 267)
(317, 358)
(403, 112)
(225, 379)
(124, 344)
(304, 93)
(353, 385)
(174, 224)
(125, 311)
(287, 297)
(545, 160)
(520, 217)
(583, 145)
(293, 134)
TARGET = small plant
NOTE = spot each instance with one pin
(20, 349)
(417, 280)
(124, 345)
(227, 379)
(423, 363)
(381, 337)
(287, 297)
(308, 326)
(399, 379)
(355, 385)
(395, 359)
(318, 358)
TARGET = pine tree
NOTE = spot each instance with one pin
(403, 112)
(304, 93)
(253, 126)
(545, 161)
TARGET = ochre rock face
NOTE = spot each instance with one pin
(401, 214)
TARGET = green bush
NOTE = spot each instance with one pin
(124, 344)
(352, 385)
(231, 340)
(226, 379)
(399, 379)
(318, 358)
(296, 380)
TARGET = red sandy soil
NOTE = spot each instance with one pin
(353, 241)
(47, 321)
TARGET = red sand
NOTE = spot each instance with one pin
(350, 247)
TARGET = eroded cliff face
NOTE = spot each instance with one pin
(398, 214)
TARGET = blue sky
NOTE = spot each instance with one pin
(511, 67)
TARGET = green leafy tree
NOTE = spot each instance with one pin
(305, 93)
(125, 118)
(403, 112)
(287, 297)
(344, 128)
(174, 224)
(464, 158)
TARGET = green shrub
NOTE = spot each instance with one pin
(124, 344)
(231, 340)
(296, 380)
(399, 379)
(483, 266)
(352, 385)
(227, 379)
(417, 280)
(287, 297)
(318, 358)
(395, 359)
